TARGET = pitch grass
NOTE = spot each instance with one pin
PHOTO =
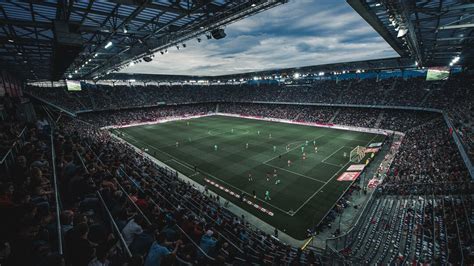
(308, 188)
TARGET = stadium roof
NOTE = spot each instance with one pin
(375, 65)
(54, 39)
(432, 32)
(50, 40)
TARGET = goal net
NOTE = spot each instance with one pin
(357, 154)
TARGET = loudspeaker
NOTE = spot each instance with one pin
(218, 34)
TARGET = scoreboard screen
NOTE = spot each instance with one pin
(73, 85)
(437, 73)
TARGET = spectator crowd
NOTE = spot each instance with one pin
(454, 96)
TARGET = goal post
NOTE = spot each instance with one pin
(357, 154)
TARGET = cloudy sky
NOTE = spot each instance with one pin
(299, 33)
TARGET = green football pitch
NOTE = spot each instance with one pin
(217, 147)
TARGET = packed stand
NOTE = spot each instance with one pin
(27, 204)
(454, 96)
(429, 156)
(133, 116)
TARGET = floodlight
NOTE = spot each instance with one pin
(109, 44)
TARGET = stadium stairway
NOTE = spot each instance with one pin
(343, 91)
(334, 116)
(392, 87)
(379, 119)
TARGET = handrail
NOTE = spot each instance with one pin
(370, 201)
(128, 196)
(134, 204)
(179, 227)
(56, 195)
(50, 104)
(49, 114)
(114, 225)
(13, 145)
(458, 232)
(173, 205)
(82, 162)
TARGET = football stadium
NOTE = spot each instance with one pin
(253, 132)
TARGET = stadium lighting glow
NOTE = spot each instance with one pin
(321, 73)
(255, 78)
(69, 76)
(108, 45)
(296, 75)
(75, 71)
(454, 61)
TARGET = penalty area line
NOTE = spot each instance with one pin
(295, 173)
(317, 191)
(292, 149)
(335, 174)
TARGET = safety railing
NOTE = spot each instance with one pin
(150, 223)
(114, 226)
(335, 245)
(177, 226)
(57, 198)
(156, 205)
(8, 160)
(231, 242)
